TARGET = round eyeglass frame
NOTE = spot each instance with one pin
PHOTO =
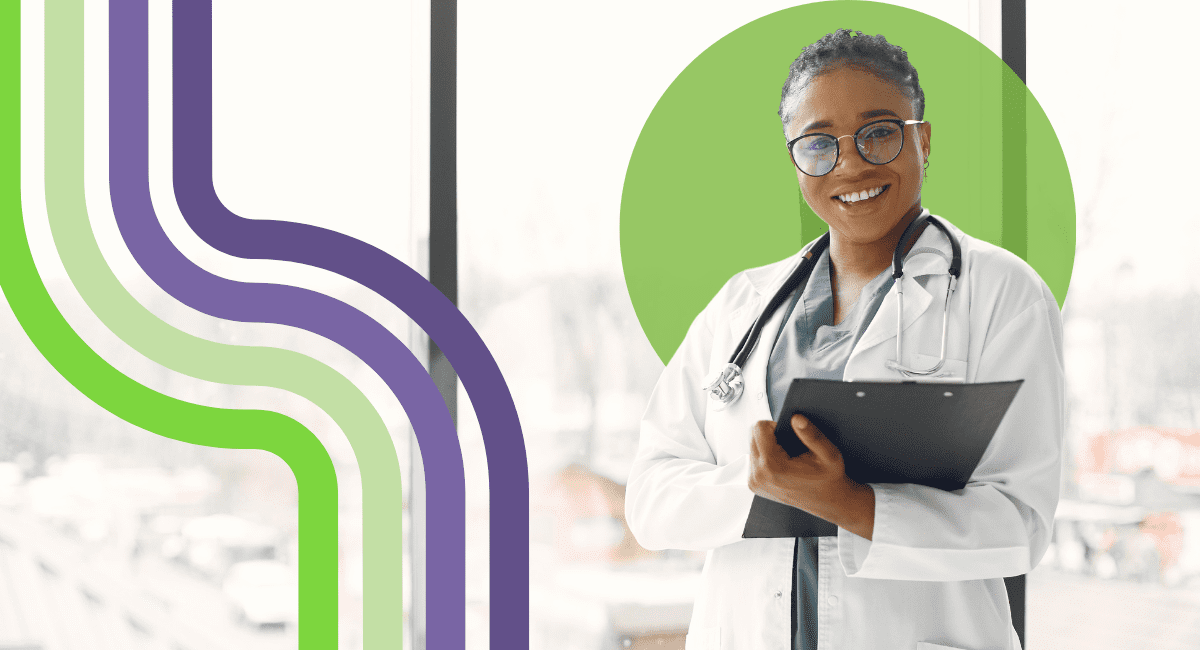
(837, 143)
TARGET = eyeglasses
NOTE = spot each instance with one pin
(878, 143)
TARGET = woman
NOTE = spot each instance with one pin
(911, 566)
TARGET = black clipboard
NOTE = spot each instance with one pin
(907, 432)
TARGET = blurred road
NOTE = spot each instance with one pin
(1077, 612)
(55, 595)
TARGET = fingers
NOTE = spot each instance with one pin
(812, 438)
(760, 458)
(764, 429)
(758, 443)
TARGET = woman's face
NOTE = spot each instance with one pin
(838, 102)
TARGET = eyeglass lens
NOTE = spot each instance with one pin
(878, 142)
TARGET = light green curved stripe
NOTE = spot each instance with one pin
(226, 364)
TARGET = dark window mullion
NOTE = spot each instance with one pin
(1014, 222)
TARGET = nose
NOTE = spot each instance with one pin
(848, 158)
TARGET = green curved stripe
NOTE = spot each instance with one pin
(251, 366)
(134, 403)
(228, 364)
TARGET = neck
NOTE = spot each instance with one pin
(850, 258)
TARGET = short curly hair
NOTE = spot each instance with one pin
(846, 47)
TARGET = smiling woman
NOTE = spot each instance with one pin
(842, 89)
(910, 566)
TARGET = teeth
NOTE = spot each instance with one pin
(859, 196)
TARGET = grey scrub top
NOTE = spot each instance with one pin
(809, 344)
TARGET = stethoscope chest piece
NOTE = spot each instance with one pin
(724, 386)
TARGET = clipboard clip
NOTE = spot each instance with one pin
(917, 380)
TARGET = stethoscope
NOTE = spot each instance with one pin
(726, 385)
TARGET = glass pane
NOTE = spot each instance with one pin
(1124, 569)
(541, 279)
(111, 536)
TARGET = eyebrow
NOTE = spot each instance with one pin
(824, 124)
(876, 113)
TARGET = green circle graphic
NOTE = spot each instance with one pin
(710, 190)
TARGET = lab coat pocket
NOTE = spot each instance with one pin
(707, 638)
(951, 370)
(921, 645)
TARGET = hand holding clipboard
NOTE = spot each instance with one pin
(927, 433)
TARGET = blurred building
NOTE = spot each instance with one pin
(1137, 515)
(593, 585)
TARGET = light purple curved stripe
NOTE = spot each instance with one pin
(268, 303)
(508, 471)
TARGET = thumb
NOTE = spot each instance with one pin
(811, 436)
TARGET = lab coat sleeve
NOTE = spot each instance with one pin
(677, 496)
(999, 525)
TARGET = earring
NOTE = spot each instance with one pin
(926, 174)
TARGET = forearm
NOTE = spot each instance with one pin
(922, 533)
(852, 508)
(687, 504)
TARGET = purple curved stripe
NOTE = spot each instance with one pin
(268, 303)
(508, 472)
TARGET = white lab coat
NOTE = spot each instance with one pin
(932, 576)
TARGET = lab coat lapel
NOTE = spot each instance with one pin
(883, 326)
(765, 288)
(929, 255)
(743, 317)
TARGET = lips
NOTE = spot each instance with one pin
(859, 196)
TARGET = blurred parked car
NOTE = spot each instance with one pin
(1126, 542)
(593, 586)
(214, 543)
(263, 592)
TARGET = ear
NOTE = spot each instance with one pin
(926, 131)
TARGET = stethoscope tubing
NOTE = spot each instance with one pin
(898, 272)
(795, 282)
(726, 385)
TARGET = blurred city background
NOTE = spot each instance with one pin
(111, 537)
